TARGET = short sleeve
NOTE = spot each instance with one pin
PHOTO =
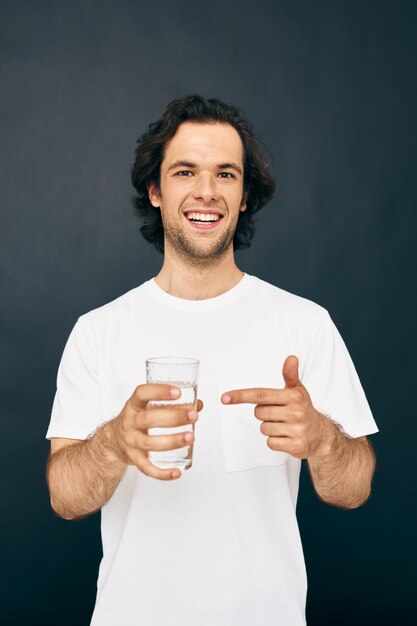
(333, 383)
(76, 410)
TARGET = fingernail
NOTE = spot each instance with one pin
(192, 416)
(175, 392)
(188, 437)
(176, 474)
(226, 399)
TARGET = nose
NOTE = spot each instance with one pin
(206, 188)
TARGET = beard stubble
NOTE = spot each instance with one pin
(197, 254)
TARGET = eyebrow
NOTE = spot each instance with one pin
(220, 166)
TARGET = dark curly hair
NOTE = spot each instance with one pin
(257, 180)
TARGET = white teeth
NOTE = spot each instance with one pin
(204, 217)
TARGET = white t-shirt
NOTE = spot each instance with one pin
(220, 546)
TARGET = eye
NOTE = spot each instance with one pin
(226, 175)
(183, 172)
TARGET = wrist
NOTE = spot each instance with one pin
(109, 440)
(330, 435)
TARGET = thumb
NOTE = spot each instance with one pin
(290, 372)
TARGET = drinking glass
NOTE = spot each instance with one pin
(183, 373)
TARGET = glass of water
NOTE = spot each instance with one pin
(183, 373)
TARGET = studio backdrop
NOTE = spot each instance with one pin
(331, 91)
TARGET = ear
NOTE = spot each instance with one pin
(243, 206)
(153, 193)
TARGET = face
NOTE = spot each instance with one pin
(201, 179)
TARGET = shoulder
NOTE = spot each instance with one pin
(288, 303)
(116, 311)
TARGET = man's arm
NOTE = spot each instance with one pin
(342, 472)
(341, 467)
(82, 475)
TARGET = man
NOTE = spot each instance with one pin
(219, 544)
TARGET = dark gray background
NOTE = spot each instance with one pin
(330, 87)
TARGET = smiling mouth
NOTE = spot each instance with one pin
(203, 221)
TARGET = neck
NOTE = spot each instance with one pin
(187, 281)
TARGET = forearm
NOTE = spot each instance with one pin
(82, 477)
(342, 472)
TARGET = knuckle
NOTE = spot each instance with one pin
(139, 461)
(145, 470)
(300, 430)
(138, 391)
(298, 417)
(145, 419)
(145, 442)
(260, 395)
(297, 449)
(298, 396)
(151, 470)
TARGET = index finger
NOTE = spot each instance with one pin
(256, 395)
(153, 391)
